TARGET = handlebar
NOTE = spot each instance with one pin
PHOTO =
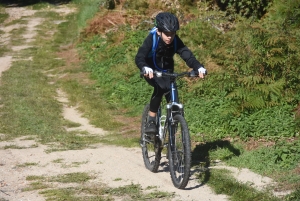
(173, 75)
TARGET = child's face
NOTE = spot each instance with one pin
(167, 37)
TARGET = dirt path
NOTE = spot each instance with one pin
(114, 166)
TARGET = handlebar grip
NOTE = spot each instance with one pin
(193, 74)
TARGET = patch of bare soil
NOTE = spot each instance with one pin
(111, 165)
(16, 13)
(5, 63)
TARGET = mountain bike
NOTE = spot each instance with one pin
(173, 133)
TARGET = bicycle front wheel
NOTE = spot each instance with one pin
(151, 149)
(179, 152)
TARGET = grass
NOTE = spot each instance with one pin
(87, 11)
(13, 146)
(3, 15)
(18, 32)
(29, 102)
(261, 161)
(223, 183)
(27, 164)
(76, 177)
(22, 21)
(86, 191)
(59, 160)
(30, 105)
(33, 177)
(31, 109)
(4, 50)
(98, 112)
(74, 164)
(36, 186)
(129, 192)
(61, 194)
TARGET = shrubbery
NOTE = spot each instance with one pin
(255, 86)
(253, 83)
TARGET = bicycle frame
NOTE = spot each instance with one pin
(172, 127)
(172, 107)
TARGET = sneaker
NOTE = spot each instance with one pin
(151, 128)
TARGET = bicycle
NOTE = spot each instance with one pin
(173, 133)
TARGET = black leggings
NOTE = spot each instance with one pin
(158, 93)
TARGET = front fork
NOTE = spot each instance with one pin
(166, 122)
(161, 125)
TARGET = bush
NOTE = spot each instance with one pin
(140, 5)
(254, 8)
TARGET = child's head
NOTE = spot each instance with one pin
(167, 24)
(167, 37)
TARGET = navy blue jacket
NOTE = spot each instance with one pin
(164, 54)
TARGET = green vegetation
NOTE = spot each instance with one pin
(256, 8)
(30, 105)
(251, 89)
(222, 182)
(33, 177)
(251, 93)
(36, 186)
(89, 192)
(77, 177)
(131, 192)
(27, 164)
(97, 111)
(3, 50)
(87, 9)
(3, 15)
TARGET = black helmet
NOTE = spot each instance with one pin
(166, 22)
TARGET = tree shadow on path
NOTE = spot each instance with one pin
(201, 158)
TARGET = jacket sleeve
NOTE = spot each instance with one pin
(143, 52)
(186, 54)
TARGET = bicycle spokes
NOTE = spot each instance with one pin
(179, 152)
(150, 146)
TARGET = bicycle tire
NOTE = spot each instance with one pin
(179, 152)
(151, 149)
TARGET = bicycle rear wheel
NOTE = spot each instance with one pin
(179, 152)
(151, 149)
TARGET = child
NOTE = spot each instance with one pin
(167, 43)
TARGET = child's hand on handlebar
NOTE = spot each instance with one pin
(202, 72)
(148, 72)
